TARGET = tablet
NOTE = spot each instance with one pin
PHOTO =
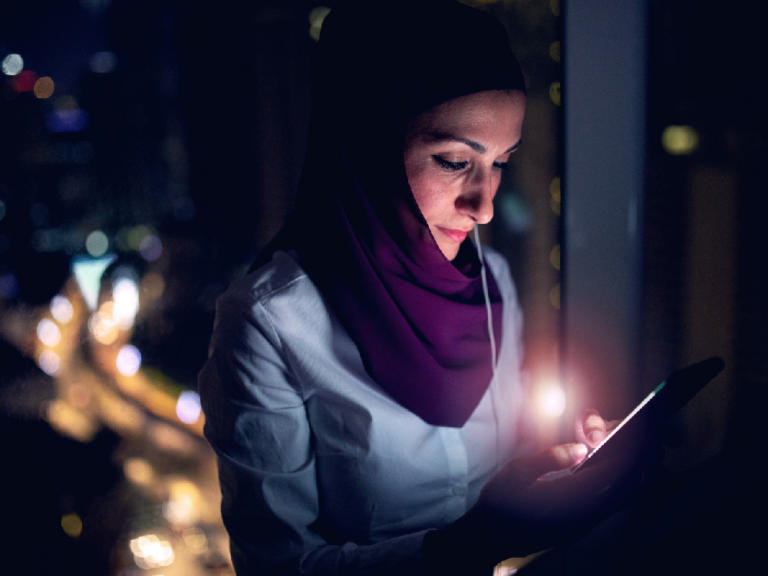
(663, 401)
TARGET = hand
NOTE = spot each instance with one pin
(518, 513)
(591, 428)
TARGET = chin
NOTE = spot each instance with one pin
(449, 254)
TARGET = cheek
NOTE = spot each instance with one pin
(432, 195)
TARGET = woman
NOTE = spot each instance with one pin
(362, 391)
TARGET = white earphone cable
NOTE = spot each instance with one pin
(487, 299)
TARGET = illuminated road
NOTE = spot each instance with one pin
(168, 483)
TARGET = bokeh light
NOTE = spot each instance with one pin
(554, 93)
(188, 407)
(554, 257)
(88, 272)
(24, 81)
(139, 471)
(102, 324)
(48, 332)
(125, 294)
(150, 247)
(128, 360)
(680, 140)
(44, 87)
(554, 51)
(12, 64)
(181, 507)
(49, 362)
(61, 309)
(150, 551)
(97, 243)
(555, 196)
(72, 525)
(316, 17)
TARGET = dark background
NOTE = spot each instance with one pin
(186, 122)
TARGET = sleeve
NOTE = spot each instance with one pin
(257, 424)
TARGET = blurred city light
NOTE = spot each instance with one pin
(12, 64)
(48, 332)
(44, 87)
(316, 17)
(69, 421)
(61, 309)
(103, 62)
(150, 248)
(188, 407)
(555, 196)
(680, 140)
(49, 362)
(24, 81)
(125, 294)
(514, 212)
(554, 51)
(72, 525)
(67, 120)
(139, 471)
(180, 508)
(554, 256)
(103, 325)
(149, 552)
(549, 399)
(128, 360)
(554, 93)
(88, 272)
(97, 243)
(133, 237)
(195, 540)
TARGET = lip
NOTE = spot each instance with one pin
(453, 234)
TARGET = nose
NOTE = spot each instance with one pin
(476, 197)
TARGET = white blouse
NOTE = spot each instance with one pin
(321, 471)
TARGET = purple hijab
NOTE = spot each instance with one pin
(418, 320)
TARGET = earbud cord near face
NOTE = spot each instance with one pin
(492, 339)
(487, 299)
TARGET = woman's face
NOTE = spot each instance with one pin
(454, 156)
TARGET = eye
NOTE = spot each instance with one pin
(448, 165)
(501, 165)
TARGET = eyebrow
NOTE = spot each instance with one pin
(476, 146)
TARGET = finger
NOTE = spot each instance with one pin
(529, 468)
(591, 428)
(566, 455)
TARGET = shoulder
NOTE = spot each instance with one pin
(280, 278)
(278, 290)
(279, 274)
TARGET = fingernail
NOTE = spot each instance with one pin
(578, 450)
(594, 437)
